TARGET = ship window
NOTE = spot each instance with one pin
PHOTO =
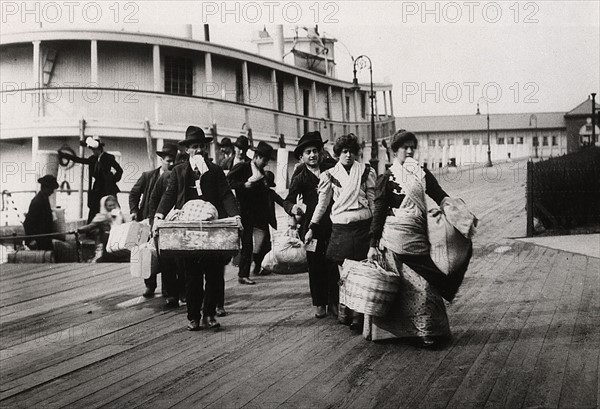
(545, 141)
(239, 85)
(179, 76)
(520, 140)
(327, 105)
(363, 105)
(511, 141)
(466, 141)
(500, 141)
(280, 104)
(431, 142)
(554, 141)
(347, 108)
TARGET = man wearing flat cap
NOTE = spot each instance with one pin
(140, 210)
(252, 192)
(39, 218)
(100, 168)
(199, 178)
(322, 274)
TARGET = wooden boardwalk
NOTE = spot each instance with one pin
(525, 326)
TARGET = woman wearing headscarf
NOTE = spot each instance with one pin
(399, 227)
(109, 215)
(351, 186)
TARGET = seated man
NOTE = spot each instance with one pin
(39, 218)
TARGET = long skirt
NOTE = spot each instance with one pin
(349, 241)
(417, 311)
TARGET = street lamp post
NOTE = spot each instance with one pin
(489, 150)
(361, 61)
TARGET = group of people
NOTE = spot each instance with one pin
(355, 215)
(347, 213)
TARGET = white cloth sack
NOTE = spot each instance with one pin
(288, 256)
(450, 230)
(144, 260)
(126, 236)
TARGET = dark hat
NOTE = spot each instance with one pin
(270, 178)
(225, 143)
(242, 142)
(309, 139)
(48, 180)
(169, 149)
(264, 149)
(193, 134)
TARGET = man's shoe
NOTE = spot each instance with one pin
(221, 312)
(320, 311)
(246, 280)
(172, 302)
(149, 293)
(193, 325)
(182, 300)
(210, 323)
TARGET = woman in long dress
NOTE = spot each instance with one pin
(351, 186)
(399, 228)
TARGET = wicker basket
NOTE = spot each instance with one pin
(367, 288)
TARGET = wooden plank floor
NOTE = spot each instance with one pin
(525, 334)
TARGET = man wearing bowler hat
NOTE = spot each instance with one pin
(252, 192)
(39, 218)
(199, 178)
(100, 169)
(322, 274)
(140, 210)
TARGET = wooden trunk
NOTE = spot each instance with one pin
(195, 238)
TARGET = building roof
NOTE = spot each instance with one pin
(585, 108)
(467, 123)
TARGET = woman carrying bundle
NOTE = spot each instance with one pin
(400, 227)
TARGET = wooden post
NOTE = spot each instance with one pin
(529, 204)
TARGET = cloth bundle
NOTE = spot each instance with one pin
(450, 229)
(288, 256)
(194, 210)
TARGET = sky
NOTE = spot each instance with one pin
(441, 57)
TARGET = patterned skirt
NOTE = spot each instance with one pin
(418, 310)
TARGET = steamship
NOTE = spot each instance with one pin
(138, 91)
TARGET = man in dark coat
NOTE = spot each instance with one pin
(252, 191)
(140, 210)
(322, 274)
(100, 170)
(144, 186)
(39, 216)
(199, 178)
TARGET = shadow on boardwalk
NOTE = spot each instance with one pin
(524, 325)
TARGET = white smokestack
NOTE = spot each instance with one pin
(189, 32)
(278, 42)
